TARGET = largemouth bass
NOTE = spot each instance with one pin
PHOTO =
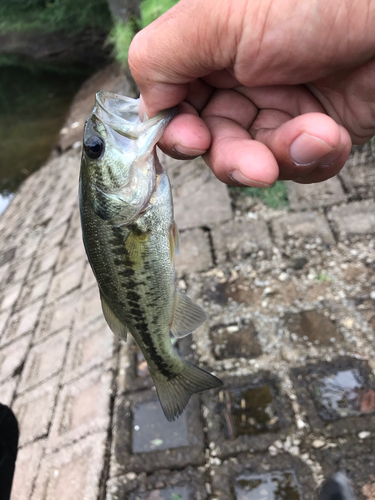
(131, 239)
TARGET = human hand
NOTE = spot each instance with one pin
(266, 89)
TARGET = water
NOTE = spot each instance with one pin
(270, 486)
(339, 395)
(151, 431)
(248, 411)
(33, 106)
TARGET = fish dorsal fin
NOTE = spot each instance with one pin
(187, 315)
(174, 240)
(117, 327)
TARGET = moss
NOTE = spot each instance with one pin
(274, 197)
(47, 16)
(122, 34)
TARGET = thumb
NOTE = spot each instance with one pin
(176, 49)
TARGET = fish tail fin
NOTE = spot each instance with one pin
(174, 393)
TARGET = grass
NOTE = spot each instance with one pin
(274, 197)
(47, 16)
(122, 33)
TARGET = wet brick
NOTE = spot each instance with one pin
(34, 411)
(312, 326)
(7, 391)
(27, 466)
(56, 316)
(91, 347)
(22, 322)
(306, 378)
(13, 356)
(307, 224)
(44, 360)
(89, 308)
(66, 280)
(156, 430)
(297, 475)
(199, 198)
(195, 255)
(73, 472)
(233, 428)
(235, 341)
(319, 195)
(239, 238)
(354, 219)
(83, 407)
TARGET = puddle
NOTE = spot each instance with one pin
(235, 342)
(312, 326)
(248, 411)
(272, 486)
(342, 394)
(151, 431)
(33, 103)
(176, 493)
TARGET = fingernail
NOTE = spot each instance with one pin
(181, 150)
(238, 177)
(308, 149)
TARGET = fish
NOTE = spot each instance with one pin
(131, 240)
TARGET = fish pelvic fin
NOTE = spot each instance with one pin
(117, 327)
(174, 393)
(187, 316)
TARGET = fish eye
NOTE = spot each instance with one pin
(94, 147)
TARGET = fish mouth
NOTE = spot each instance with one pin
(121, 113)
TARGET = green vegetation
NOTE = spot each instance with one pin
(52, 15)
(322, 276)
(122, 34)
(274, 197)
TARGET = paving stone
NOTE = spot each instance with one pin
(195, 254)
(312, 326)
(56, 316)
(3, 321)
(200, 199)
(34, 290)
(305, 224)
(7, 391)
(88, 278)
(71, 253)
(158, 444)
(19, 271)
(7, 255)
(4, 274)
(12, 357)
(354, 219)
(240, 238)
(22, 322)
(27, 466)
(44, 263)
(89, 308)
(29, 244)
(52, 239)
(9, 296)
(34, 411)
(66, 280)
(74, 472)
(83, 407)
(91, 347)
(44, 360)
(319, 195)
(249, 412)
(358, 176)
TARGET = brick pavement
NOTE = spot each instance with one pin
(291, 304)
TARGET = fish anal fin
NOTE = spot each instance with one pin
(187, 316)
(117, 327)
(175, 392)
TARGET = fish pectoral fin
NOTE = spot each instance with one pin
(187, 316)
(175, 392)
(174, 240)
(134, 244)
(117, 327)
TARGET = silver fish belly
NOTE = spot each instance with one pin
(130, 240)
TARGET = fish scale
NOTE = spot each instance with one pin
(130, 240)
